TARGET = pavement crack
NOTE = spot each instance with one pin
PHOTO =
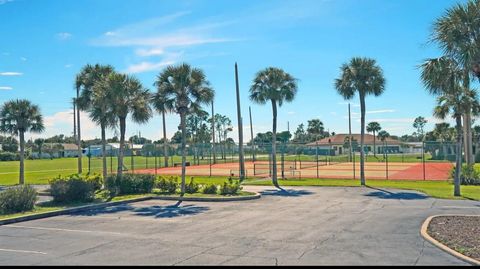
(421, 253)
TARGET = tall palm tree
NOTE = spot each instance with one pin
(276, 86)
(383, 135)
(443, 78)
(365, 77)
(84, 82)
(39, 143)
(18, 117)
(374, 127)
(185, 89)
(162, 107)
(458, 34)
(101, 113)
(126, 96)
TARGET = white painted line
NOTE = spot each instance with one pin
(461, 207)
(23, 251)
(60, 230)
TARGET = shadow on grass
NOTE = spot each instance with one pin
(286, 193)
(384, 194)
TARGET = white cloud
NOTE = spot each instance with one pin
(64, 36)
(147, 66)
(380, 111)
(68, 65)
(23, 59)
(5, 88)
(149, 52)
(291, 113)
(62, 123)
(10, 74)
(5, 1)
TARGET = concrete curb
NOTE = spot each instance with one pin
(209, 199)
(70, 210)
(443, 247)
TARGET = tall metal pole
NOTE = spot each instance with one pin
(240, 128)
(251, 132)
(79, 138)
(213, 136)
(74, 121)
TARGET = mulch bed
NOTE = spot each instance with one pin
(460, 233)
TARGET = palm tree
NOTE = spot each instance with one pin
(276, 86)
(458, 34)
(84, 82)
(162, 107)
(101, 113)
(185, 89)
(443, 78)
(126, 96)
(18, 117)
(374, 127)
(365, 77)
(383, 135)
(39, 143)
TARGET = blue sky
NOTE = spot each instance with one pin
(45, 43)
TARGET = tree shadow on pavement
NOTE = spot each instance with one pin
(287, 193)
(384, 194)
(170, 211)
(106, 210)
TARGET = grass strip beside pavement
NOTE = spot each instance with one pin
(436, 189)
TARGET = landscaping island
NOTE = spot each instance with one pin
(460, 233)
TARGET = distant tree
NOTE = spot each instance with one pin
(419, 124)
(139, 140)
(39, 142)
(18, 117)
(374, 127)
(10, 144)
(300, 134)
(284, 136)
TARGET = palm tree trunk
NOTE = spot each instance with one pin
(374, 148)
(104, 151)
(79, 139)
(22, 158)
(165, 146)
(213, 135)
(468, 138)
(184, 154)
(121, 150)
(362, 139)
(458, 165)
(274, 145)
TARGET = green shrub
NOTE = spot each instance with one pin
(192, 187)
(210, 189)
(129, 184)
(8, 156)
(96, 180)
(167, 185)
(73, 188)
(468, 176)
(230, 187)
(17, 199)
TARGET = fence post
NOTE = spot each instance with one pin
(283, 161)
(354, 172)
(111, 160)
(386, 157)
(423, 159)
(156, 157)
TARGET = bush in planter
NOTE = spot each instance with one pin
(230, 187)
(167, 185)
(469, 175)
(73, 188)
(96, 180)
(210, 189)
(17, 199)
(192, 187)
(130, 184)
(8, 156)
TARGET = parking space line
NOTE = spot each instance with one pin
(23, 251)
(60, 230)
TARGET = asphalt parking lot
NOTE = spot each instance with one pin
(307, 226)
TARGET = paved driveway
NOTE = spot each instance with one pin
(325, 226)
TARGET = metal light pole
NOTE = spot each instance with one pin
(251, 133)
(240, 128)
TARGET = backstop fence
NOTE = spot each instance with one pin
(431, 160)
